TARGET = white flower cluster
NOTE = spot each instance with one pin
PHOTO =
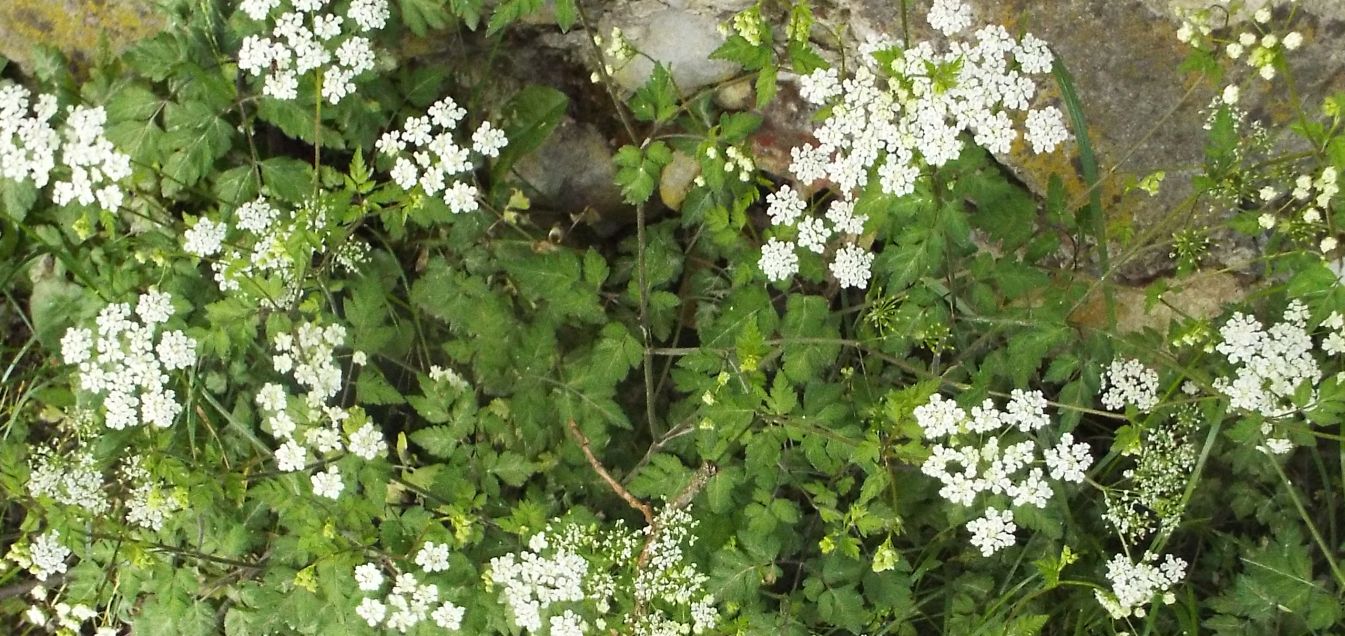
(668, 577)
(427, 155)
(1164, 460)
(306, 36)
(148, 503)
(1127, 381)
(1269, 365)
(72, 480)
(1258, 46)
(270, 249)
(410, 602)
(1134, 585)
(732, 162)
(532, 582)
(312, 422)
(588, 568)
(120, 362)
(47, 555)
(986, 460)
(449, 376)
(29, 146)
(61, 617)
(904, 109)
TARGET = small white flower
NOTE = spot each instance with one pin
(852, 266)
(820, 86)
(1069, 461)
(778, 260)
(76, 345)
(993, 532)
(433, 557)
(368, 577)
(784, 206)
(328, 483)
(291, 456)
(448, 616)
(488, 140)
(373, 611)
(205, 238)
(949, 16)
(47, 555)
(1045, 129)
(367, 442)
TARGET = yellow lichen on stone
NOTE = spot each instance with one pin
(75, 27)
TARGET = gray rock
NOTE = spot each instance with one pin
(678, 38)
(572, 172)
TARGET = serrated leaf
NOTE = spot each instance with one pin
(512, 468)
(420, 16)
(439, 441)
(287, 179)
(656, 100)
(236, 186)
(509, 12)
(807, 318)
(373, 388)
(738, 50)
(566, 14)
(638, 172)
(735, 127)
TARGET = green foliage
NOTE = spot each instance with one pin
(523, 367)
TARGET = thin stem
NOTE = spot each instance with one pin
(612, 483)
(1312, 527)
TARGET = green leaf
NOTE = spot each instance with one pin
(156, 57)
(616, 353)
(439, 441)
(420, 16)
(512, 468)
(469, 11)
(195, 137)
(595, 268)
(287, 179)
(373, 388)
(509, 12)
(566, 14)
(767, 84)
(17, 197)
(236, 186)
(738, 50)
(530, 118)
(735, 127)
(804, 58)
(656, 100)
(133, 102)
(638, 173)
(807, 318)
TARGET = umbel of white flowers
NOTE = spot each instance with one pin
(891, 118)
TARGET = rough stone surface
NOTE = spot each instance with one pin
(73, 26)
(679, 38)
(572, 171)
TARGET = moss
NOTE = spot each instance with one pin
(75, 27)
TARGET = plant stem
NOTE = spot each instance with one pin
(1312, 527)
